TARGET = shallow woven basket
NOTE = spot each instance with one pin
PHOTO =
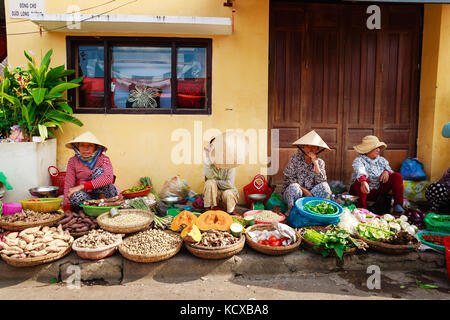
(311, 246)
(95, 254)
(35, 261)
(127, 229)
(272, 251)
(216, 253)
(387, 248)
(19, 226)
(150, 258)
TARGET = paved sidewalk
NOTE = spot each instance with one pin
(116, 270)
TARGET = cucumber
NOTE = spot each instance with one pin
(236, 229)
(249, 220)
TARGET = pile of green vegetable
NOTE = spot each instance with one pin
(146, 181)
(374, 231)
(159, 222)
(322, 207)
(135, 189)
(334, 239)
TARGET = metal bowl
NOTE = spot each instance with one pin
(257, 196)
(349, 197)
(44, 192)
(171, 200)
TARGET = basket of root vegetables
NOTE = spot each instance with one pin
(97, 244)
(35, 246)
(78, 224)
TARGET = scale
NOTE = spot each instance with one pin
(257, 199)
(171, 201)
(349, 200)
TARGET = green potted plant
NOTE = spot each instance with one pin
(34, 98)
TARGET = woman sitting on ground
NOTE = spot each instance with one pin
(89, 173)
(220, 174)
(372, 176)
(305, 175)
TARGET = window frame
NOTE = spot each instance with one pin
(73, 42)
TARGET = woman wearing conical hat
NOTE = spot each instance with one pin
(304, 175)
(222, 155)
(89, 172)
(372, 176)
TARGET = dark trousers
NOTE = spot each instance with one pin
(395, 183)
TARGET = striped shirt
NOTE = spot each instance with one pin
(77, 173)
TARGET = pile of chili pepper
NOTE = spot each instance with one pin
(273, 241)
(434, 239)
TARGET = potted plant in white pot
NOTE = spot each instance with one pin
(33, 102)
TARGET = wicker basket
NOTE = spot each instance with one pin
(272, 251)
(127, 229)
(393, 249)
(150, 258)
(35, 261)
(95, 254)
(216, 253)
(19, 226)
(311, 246)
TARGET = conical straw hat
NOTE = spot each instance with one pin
(311, 139)
(229, 150)
(368, 144)
(86, 137)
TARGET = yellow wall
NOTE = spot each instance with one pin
(140, 145)
(434, 108)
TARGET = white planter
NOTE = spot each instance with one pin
(25, 165)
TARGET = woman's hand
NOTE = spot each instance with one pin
(312, 155)
(384, 176)
(365, 187)
(74, 189)
(306, 192)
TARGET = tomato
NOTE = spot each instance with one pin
(277, 243)
(273, 239)
(266, 242)
(261, 241)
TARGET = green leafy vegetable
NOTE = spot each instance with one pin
(321, 208)
(373, 231)
(336, 240)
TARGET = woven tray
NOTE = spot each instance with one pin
(310, 246)
(34, 261)
(216, 253)
(128, 229)
(272, 251)
(387, 248)
(19, 226)
(150, 258)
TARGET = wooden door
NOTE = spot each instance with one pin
(330, 73)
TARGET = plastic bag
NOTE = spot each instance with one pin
(175, 187)
(412, 169)
(415, 190)
(276, 200)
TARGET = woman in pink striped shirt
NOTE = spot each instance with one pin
(89, 173)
